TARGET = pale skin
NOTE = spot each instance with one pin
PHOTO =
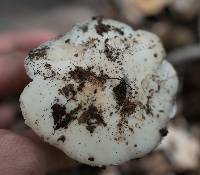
(22, 153)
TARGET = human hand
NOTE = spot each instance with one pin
(22, 153)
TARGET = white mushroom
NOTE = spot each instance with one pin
(101, 93)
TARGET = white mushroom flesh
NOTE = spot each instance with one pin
(102, 93)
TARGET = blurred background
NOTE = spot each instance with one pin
(177, 22)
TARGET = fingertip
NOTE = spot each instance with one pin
(33, 38)
(24, 40)
(55, 158)
(19, 155)
(25, 154)
(13, 77)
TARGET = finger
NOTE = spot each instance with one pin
(7, 113)
(13, 77)
(28, 40)
(24, 40)
(22, 155)
(55, 159)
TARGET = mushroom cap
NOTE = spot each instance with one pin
(102, 93)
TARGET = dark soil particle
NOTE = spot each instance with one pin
(111, 53)
(81, 86)
(64, 78)
(120, 92)
(100, 27)
(148, 108)
(122, 124)
(104, 28)
(131, 129)
(76, 55)
(68, 90)
(52, 74)
(118, 30)
(128, 107)
(91, 43)
(95, 17)
(125, 106)
(48, 66)
(36, 122)
(92, 117)
(158, 89)
(91, 159)
(61, 119)
(163, 132)
(67, 41)
(38, 53)
(61, 138)
(82, 75)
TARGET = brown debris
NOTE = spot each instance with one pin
(76, 55)
(83, 75)
(128, 107)
(148, 108)
(61, 119)
(92, 117)
(104, 28)
(91, 159)
(163, 132)
(120, 92)
(67, 41)
(48, 66)
(52, 74)
(68, 90)
(61, 138)
(38, 53)
(111, 53)
(100, 27)
(118, 30)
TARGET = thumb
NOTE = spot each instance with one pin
(24, 154)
